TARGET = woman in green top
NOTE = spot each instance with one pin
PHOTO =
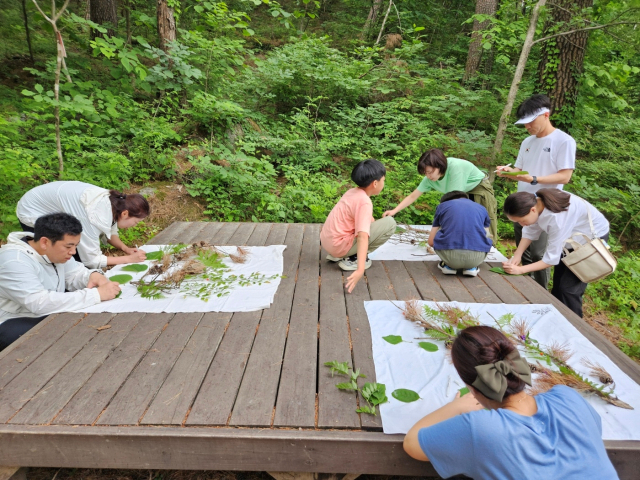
(450, 174)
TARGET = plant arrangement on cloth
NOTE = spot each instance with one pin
(412, 236)
(557, 355)
(195, 270)
(373, 393)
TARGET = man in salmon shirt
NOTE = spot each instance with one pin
(350, 231)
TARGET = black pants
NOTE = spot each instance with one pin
(568, 288)
(14, 328)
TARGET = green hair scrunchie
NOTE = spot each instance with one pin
(492, 378)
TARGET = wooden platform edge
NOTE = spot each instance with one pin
(175, 448)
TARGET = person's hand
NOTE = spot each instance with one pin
(353, 280)
(108, 291)
(467, 403)
(504, 168)
(513, 269)
(515, 260)
(137, 256)
(96, 279)
(389, 213)
(522, 178)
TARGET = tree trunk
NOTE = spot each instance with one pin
(517, 77)
(103, 12)
(371, 19)
(562, 61)
(166, 24)
(485, 7)
(26, 28)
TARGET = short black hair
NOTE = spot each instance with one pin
(532, 105)
(55, 226)
(433, 158)
(367, 171)
(453, 196)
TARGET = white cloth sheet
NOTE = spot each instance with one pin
(433, 377)
(265, 260)
(393, 250)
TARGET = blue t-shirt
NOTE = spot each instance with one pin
(562, 440)
(462, 225)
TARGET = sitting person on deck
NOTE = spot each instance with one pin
(498, 431)
(350, 231)
(460, 234)
(36, 269)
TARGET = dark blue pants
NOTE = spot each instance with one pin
(14, 328)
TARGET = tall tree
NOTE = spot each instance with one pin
(103, 12)
(166, 24)
(562, 60)
(483, 7)
(371, 19)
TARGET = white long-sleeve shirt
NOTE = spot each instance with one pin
(86, 202)
(32, 286)
(560, 227)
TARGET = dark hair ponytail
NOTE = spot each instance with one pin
(135, 204)
(520, 204)
(481, 346)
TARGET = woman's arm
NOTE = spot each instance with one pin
(532, 267)
(412, 197)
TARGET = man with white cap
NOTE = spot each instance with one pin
(549, 157)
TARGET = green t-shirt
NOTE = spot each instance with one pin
(461, 175)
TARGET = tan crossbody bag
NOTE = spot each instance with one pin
(592, 261)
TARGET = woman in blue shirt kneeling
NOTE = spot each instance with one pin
(556, 434)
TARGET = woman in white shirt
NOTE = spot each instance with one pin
(560, 215)
(100, 211)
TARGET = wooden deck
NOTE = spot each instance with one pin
(233, 391)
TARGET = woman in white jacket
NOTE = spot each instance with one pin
(100, 211)
(560, 215)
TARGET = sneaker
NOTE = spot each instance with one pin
(446, 269)
(471, 272)
(331, 258)
(351, 263)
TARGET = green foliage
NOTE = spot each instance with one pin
(373, 393)
(393, 339)
(428, 346)
(135, 267)
(121, 279)
(157, 255)
(405, 395)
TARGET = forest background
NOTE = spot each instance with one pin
(260, 109)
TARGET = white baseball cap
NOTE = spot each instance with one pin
(533, 116)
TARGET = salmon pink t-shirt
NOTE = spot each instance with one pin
(352, 214)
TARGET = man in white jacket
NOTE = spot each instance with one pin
(38, 276)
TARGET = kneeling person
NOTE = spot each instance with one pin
(36, 269)
(350, 231)
(460, 234)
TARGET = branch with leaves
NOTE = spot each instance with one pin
(373, 393)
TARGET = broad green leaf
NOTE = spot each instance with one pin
(463, 391)
(157, 255)
(134, 267)
(375, 393)
(38, 88)
(514, 173)
(393, 339)
(121, 279)
(405, 395)
(428, 346)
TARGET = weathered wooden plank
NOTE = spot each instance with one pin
(61, 388)
(129, 404)
(336, 408)
(277, 234)
(401, 280)
(225, 233)
(190, 233)
(20, 354)
(479, 290)
(29, 382)
(424, 281)
(380, 287)
(175, 397)
(503, 289)
(217, 394)
(168, 234)
(450, 284)
(260, 234)
(296, 401)
(242, 234)
(257, 394)
(533, 292)
(360, 334)
(209, 232)
(95, 395)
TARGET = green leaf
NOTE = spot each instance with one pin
(463, 391)
(514, 173)
(428, 346)
(27, 93)
(375, 393)
(338, 367)
(134, 267)
(157, 255)
(121, 279)
(366, 409)
(38, 88)
(393, 339)
(347, 386)
(405, 395)
(501, 271)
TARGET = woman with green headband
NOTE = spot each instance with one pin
(499, 431)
